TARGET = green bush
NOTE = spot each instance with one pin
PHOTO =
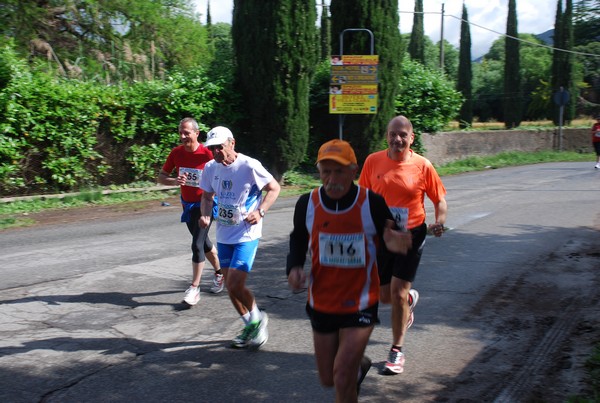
(61, 135)
(427, 98)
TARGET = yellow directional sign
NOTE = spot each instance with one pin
(353, 84)
(353, 104)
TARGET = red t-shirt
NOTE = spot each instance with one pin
(596, 133)
(193, 164)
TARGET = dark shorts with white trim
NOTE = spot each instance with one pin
(330, 323)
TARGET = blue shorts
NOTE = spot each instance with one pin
(239, 256)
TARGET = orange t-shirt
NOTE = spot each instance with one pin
(343, 245)
(403, 185)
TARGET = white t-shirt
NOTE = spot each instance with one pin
(238, 189)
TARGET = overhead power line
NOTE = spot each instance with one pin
(504, 35)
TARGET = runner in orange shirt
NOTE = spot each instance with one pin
(403, 178)
(343, 224)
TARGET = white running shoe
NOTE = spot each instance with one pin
(395, 363)
(242, 340)
(597, 166)
(410, 320)
(261, 333)
(192, 295)
(218, 284)
(414, 298)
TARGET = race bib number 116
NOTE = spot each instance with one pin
(342, 250)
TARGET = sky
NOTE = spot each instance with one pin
(487, 18)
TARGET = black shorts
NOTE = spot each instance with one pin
(330, 323)
(403, 267)
(597, 147)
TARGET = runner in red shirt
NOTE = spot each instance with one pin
(188, 159)
(596, 140)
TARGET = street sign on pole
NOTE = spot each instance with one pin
(353, 83)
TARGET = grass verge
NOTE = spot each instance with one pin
(294, 183)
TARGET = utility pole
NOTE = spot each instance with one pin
(442, 41)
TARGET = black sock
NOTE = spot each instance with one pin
(399, 348)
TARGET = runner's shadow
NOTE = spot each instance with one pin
(114, 298)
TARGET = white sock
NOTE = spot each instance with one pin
(255, 314)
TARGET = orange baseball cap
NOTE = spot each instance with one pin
(337, 150)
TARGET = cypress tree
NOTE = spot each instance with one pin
(512, 75)
(416, 46)
(275, 45)
(557, 64)
(366, 132)
(210, 41)
(325, 31)
(562, 61)
(465, 73)
(568, 60)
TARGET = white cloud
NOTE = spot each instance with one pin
(487, 18)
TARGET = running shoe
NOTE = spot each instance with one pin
(218, 284)
(597, 166)
(192, 295)
(410, 320)
(261, 333)
(365, 365)
(242, 339)
(413, 298)
(395, 363)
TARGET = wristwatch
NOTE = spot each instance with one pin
(261, 212)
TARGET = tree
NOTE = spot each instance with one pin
(536, 63)
(274, 82)
(465, 73)
(325, 32)
(427, 97)
(366, 132)
(488, 83)
(416, 47)
(487, 89)
(512, 71)
(557, 60)
(562, 62)
(451, 59)
(591, 72)
(568, 40)
(106, 39)
(586, 21)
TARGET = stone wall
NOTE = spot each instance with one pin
(442, 148)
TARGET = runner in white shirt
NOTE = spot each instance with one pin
(238, 181)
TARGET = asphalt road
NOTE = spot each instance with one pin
(91, 311)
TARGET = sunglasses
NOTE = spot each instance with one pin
(216, 148)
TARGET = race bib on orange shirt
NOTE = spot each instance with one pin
(342, 250)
